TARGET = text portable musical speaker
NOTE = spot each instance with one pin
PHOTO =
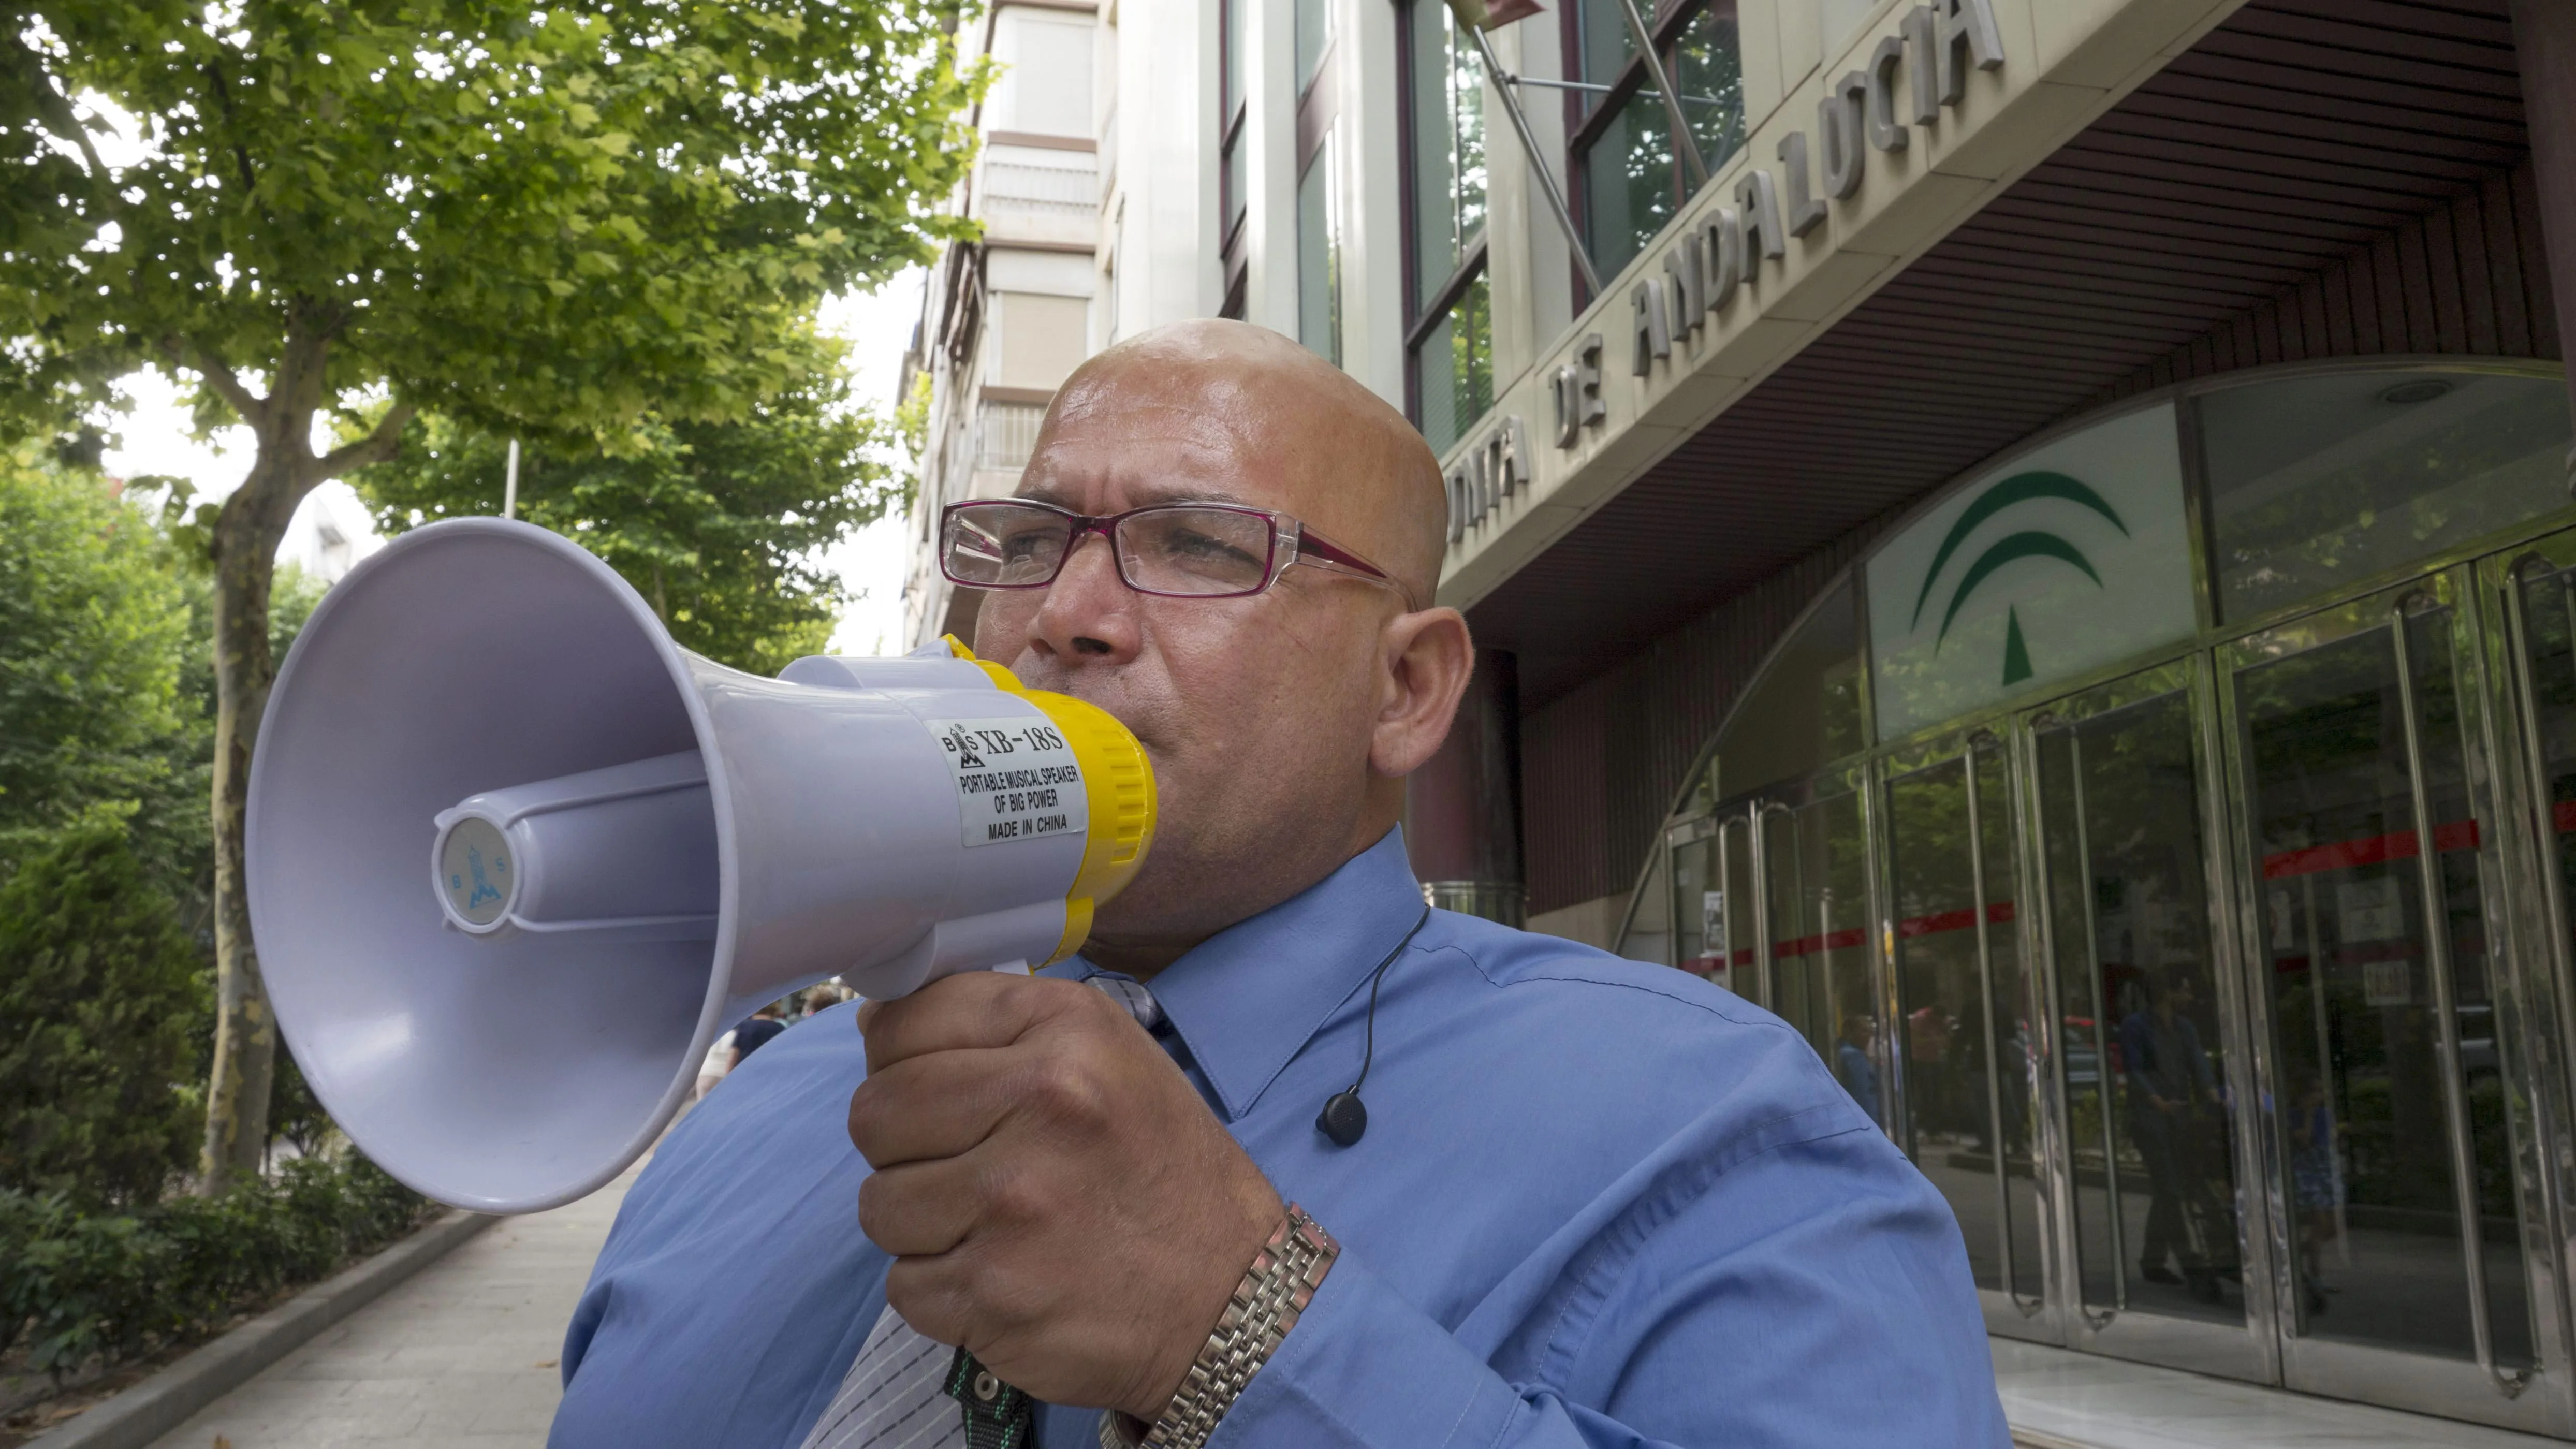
(516, 858)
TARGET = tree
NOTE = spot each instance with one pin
(715, 524)
(543, 223)
(93, 623)
(96, 988)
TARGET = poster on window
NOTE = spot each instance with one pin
(1712, 925)
(2388, 983)
(2370, 910)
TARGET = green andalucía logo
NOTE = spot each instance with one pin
(2009, 494)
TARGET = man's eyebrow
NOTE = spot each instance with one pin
(1146, 492)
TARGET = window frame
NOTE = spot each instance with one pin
(1233, 213)
(1590, 113)
(1420, 323)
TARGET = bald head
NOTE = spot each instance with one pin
(1314, 442)
(1280, 723)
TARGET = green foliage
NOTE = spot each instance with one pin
(580, 226)
(92, 625)
(912, 418)
(76, 1286)
(567, 216)
(98, 992)
(716, 524)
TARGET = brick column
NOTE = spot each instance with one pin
(2544, 37)
(1462, 810)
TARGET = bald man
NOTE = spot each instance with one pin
(1577, 1202)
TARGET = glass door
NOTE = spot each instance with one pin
(1968, 1034)
(1716, 922)
(1814, 860)
(2149, 1076)
(2374, 898)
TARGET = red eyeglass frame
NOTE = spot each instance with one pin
(1303, 546)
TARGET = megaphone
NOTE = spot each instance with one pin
(515, 858)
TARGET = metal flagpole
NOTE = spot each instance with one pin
(510, 488)
(1530, 146)
(1645, 38)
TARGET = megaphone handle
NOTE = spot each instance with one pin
(998, 1416)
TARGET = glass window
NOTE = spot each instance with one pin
(1234, 188)
(1633, 178)
(1232, 194)
(2357, 938)
(1816, 897)
(1451, 310)
(1970, 1052)
(1699, 904)
(1804, 709)
(1447, 92)
(2316, 481)
(1319, 260)
(1230, 36)
(1454, 367)
(1314, 21)
(1648, 934)
(2142, 1057)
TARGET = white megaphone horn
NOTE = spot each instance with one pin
(516, 858)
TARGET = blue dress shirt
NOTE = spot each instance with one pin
(1599, 1203)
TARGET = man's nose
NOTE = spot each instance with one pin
(1089, 615)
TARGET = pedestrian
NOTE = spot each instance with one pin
(756, 1033)
(2316, 1179)
(2169, 1080)
(1853, 1066)
(719, 1061)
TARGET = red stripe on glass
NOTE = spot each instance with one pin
(1997, 913)
(1810, 945)
(2376, 849)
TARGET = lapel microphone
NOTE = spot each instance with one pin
(1345, 1117)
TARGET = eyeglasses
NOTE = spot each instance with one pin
(1178, 550)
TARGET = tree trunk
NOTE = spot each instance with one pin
(248, 529)
(246, 536)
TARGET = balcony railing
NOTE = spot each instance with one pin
(1006, 432)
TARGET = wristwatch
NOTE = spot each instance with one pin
(1275, 1290)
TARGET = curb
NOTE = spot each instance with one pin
(139, 1415)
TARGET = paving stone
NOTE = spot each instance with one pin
(460, 1357)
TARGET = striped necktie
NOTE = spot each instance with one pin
(895, 1394)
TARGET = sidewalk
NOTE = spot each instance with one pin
(464, 1355)
(2059, 1399)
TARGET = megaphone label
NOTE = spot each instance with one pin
(1016, 779)
(474, 869)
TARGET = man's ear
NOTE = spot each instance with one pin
(1428, 658)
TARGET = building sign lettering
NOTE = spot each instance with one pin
(1497, 467)
(1577, 389)
(1936, 46)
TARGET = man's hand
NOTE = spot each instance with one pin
(1057, 1197)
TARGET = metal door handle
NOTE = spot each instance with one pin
(2101, 1049)
(2437, 951)
(1994, 1053)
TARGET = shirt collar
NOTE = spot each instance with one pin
(1249, 998)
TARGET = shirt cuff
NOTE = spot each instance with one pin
(1364, 1367)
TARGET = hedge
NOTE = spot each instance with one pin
(77, 1286)
(98, 996)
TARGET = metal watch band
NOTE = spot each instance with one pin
(1266, 1304)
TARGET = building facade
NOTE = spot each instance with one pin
(2047, 559)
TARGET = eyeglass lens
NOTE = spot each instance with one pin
(1177, 550)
